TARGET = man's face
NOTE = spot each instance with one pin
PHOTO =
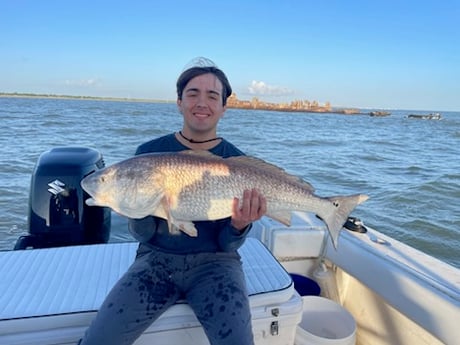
(201, 104)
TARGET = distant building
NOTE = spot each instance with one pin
(296, 105)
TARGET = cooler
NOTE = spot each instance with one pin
(303, 239)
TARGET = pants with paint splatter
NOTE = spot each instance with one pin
(213, 284)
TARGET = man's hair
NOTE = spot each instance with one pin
(193, 72)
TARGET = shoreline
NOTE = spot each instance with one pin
(341, 111)
(84, 98)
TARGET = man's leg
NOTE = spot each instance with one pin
(138, 298)
(217, 293)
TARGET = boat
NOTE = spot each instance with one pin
(371, 289)
(431, 116)
(379, 113)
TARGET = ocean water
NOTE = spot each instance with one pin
(410, 168)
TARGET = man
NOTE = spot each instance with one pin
(204, 270)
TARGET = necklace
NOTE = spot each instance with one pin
(197, 141)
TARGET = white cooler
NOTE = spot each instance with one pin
(303, 239)
(49, 296)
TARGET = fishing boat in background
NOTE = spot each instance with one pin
(431, 116)
(379, 113)
(372, 289)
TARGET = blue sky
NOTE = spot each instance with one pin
(370, 54)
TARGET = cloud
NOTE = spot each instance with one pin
(261, 88)
(83, 82)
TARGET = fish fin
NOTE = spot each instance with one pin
(173, 229)
(160, 212)
(284, 217)
(344, 205)
(270, 169)
(174, 225)
(187, 227)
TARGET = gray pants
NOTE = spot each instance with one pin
(213, 284)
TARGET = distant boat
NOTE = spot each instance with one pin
(432, 116)
(379, 113)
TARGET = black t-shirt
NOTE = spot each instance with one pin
(213, 236)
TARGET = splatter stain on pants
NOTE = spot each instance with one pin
(213, 284)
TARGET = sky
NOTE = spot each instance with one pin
(388, 54)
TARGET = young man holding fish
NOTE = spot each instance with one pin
(201, 265)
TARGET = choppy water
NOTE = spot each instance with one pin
(410, 168)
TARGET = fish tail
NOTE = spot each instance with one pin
(344, 205)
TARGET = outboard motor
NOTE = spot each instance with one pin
(58, 215)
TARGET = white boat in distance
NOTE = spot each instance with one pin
(50, 290)
(431, 116)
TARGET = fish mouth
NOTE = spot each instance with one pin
(86, 185)
(93, 202)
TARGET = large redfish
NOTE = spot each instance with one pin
(194, 185)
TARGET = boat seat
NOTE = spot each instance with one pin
(62, 288)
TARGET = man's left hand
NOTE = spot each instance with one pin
(253, 207)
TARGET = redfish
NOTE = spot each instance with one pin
(196, 185)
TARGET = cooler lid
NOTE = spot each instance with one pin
(75, 279)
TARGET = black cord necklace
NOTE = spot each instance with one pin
(197, 141)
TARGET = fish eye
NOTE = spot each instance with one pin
(102, 179)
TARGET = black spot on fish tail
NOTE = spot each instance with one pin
(343, 206)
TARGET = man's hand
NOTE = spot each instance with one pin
(253, 207)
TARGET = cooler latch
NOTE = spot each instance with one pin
(274, 328)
